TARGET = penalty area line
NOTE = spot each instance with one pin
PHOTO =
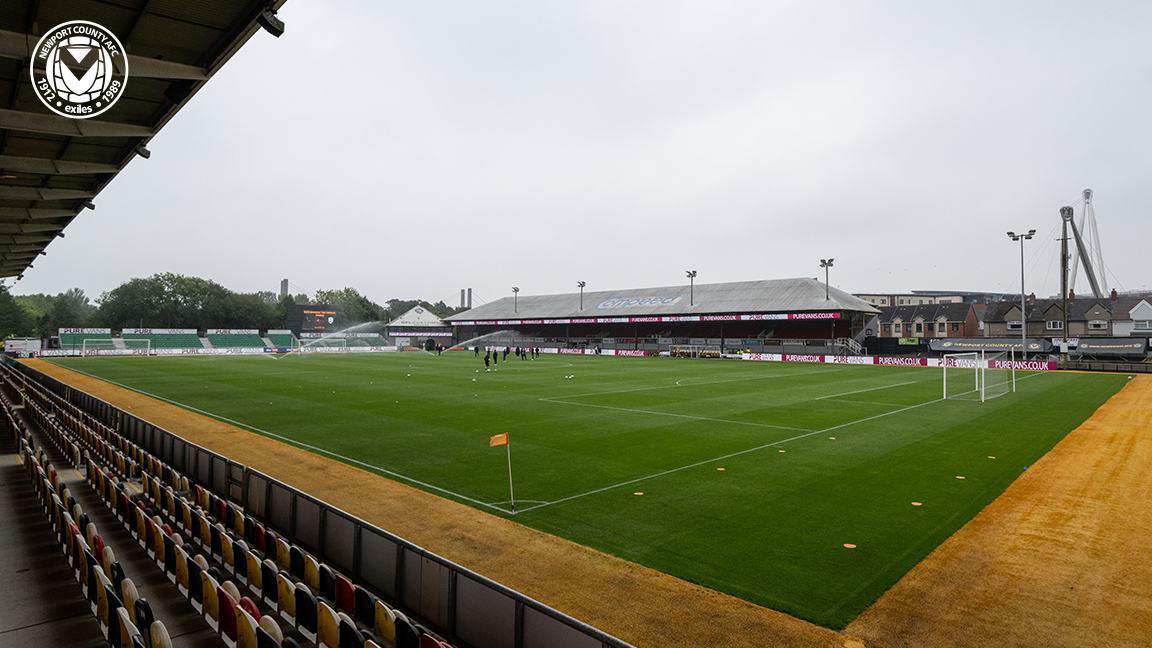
(294, 442)
(727, 456)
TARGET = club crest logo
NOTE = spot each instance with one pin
(79, 69)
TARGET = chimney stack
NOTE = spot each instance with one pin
(1113, 294)
(1071, 295)
(461, 298)
(1031, 299)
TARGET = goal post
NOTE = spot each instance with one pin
(695, 351)
(978, 376)
(323, 345)
(93, 346)
(962, 376)
(110, 346)
(999, 374)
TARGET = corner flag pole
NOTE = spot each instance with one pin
(511, 494)
(502, 439)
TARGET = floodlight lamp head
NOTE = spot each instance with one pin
(271, 23)
(142, 151)
(691, 273)
(1012, 235)
(1031, 233)
(580, 284)
(515, 289)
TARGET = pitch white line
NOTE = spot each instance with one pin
(557, 399)
(687, 416)
(727, 456)
(677, 384)
(842, 400)
(861, 391)
(292, 441)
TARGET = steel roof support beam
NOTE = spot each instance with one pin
(23, 213)
(29, 228)
(53, 167)
(14, 45)
(56, 125)
(39, 193)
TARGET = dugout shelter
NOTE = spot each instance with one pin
(738, 315)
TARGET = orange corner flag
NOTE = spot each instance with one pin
(499, 439)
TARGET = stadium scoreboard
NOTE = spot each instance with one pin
(312, 319)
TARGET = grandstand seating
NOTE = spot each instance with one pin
(168, 340)
(236, 340)
(321, 607)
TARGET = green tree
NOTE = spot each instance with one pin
(354, 308)
(166, 300)
(69, 309)
(14, 320)
(397, 307)
(251, 311)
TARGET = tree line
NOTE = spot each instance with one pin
(168, 300)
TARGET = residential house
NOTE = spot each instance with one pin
(1132, 316)
(928, 321)
(1087, 317)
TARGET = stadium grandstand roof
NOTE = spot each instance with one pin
(417, 316)
(803, 295)
(52, 167)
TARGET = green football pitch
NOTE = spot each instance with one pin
(751, 478)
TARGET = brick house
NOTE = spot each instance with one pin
(928, 321)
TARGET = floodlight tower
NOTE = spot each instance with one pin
(826, 264)
(580, 285)
(691, 284)
(515, 293)
(1023, 317)
(1066, 214)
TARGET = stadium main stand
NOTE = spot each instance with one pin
(166, 338)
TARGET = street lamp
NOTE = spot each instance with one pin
(580, 285)
(515, 308)
(691, 285)
(1023, 317)
(826, 264)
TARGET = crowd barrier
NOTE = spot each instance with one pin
(466, 608)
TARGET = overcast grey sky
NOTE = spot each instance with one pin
(411, 149)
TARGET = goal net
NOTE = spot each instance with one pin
(978, 376)
(108, 346)
(695, 351)
(324, 345)
(962, 376)
(999, 374)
